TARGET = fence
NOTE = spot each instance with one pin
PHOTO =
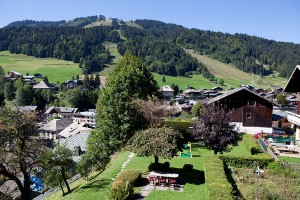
(266, 148)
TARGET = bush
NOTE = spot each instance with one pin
(217, 184)
(131, 176)
(121, 190)
(159, 167)
(280, 168)
(252, 144)
(247, 161)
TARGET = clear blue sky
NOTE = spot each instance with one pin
(271, 19)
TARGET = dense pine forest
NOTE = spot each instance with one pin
(160, 45)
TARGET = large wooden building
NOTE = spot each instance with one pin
(293, 86)
(252, 113)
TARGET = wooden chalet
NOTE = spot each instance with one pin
(252, 112)
(293, 86)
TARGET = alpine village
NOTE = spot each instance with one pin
(101, 108)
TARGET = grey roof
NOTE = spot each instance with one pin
(228, 93)
(166, 88)
(28, 108)
(76, 140)
(62, 110)
(44, 85)
(56, 125)
(75, 128)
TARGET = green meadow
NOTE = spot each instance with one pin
(54, 69)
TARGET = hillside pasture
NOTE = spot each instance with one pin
(234, 77)
(197, 81)
(54, 69)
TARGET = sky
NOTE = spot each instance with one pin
(271, 19)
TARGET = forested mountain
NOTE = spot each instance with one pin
(83, 46)
(160, 45)
(248, 53)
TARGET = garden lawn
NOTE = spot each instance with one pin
(289, 159)
(97, 187)
(195, 188)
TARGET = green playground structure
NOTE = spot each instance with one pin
(188, 154)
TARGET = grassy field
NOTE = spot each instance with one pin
(234, 77)
(197, 81)
(54, 69)
(97, 187)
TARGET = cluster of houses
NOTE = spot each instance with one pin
(255, 109)
(44, 84)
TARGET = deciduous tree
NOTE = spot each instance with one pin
(158, 142)
(60, 160)
(21, 152)
(215, 130)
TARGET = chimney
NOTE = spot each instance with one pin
(77, 151)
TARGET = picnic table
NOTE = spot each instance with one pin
(163, 179)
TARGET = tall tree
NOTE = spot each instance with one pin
(60, 160)
(215, 130)
(21, 152)
(117, 115)
(158, 142)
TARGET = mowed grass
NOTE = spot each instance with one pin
(195, 188)
(97, 187)
(197, 81)
(234, 77)
(54, 69)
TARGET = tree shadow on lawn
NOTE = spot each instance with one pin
(236, 192)
(194, 176)
(97, 184)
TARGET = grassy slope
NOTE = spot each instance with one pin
(197, 81)
(95, 188)
(112, 47)
(54, 69)
(234, 77)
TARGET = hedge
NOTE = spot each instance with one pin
(178, 125)
(252, 144)
(132, 176)
(217, 185)
(247, 161)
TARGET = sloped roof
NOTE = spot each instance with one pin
(56, 125)
(293, 83)
(28, 108)
(61, 110)
(166, 88)
(44, 85)
(228, 93)
(76, 140)
(74, 129)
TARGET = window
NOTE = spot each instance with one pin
(251, 103)
(248, 115)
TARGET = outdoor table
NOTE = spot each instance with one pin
(163, 178)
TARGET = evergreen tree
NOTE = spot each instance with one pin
(163, 79)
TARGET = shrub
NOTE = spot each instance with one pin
(247, 161)
(252, 144)
(159, 167)
(131, 176)
(285, 169)
(217, 184)
(121, 190)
